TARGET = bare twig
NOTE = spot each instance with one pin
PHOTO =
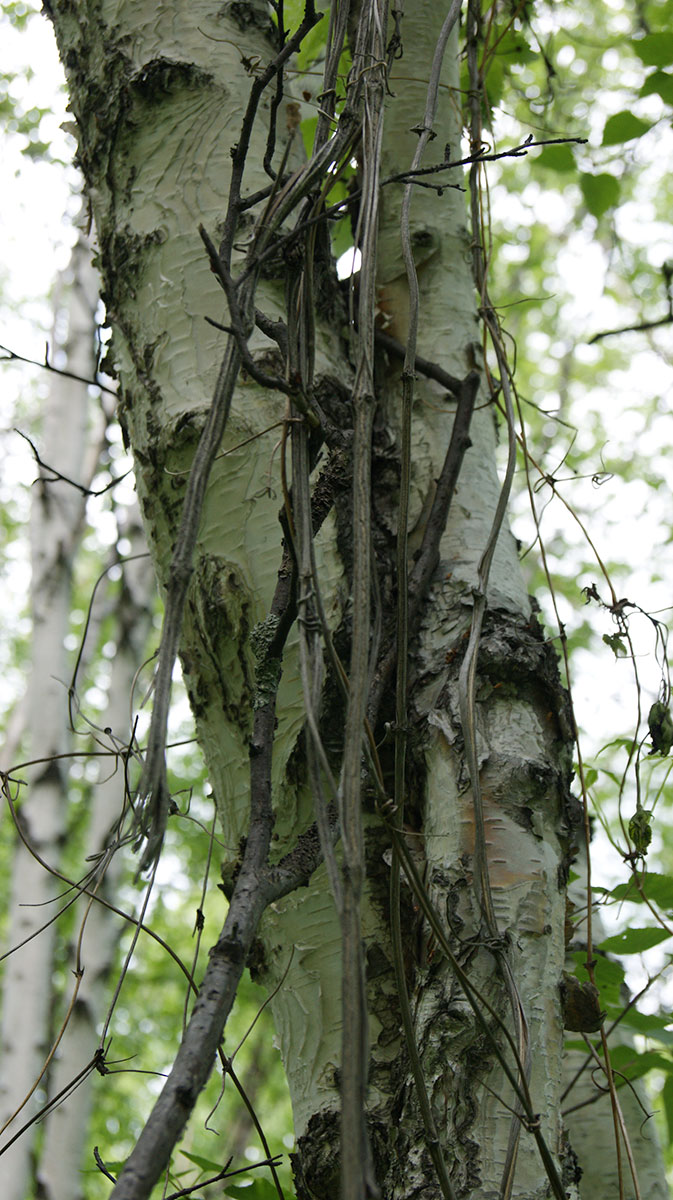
(12, 356)
(58, 475)
(641, 328)
(481, 156)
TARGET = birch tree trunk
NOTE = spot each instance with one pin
(65, 1148)
(56, 525)
(159, 91)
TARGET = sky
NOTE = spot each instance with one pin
(38, 204)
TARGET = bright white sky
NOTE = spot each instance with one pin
(37, 196)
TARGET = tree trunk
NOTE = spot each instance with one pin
(159, 92)
(56, 526)
(65, 1149)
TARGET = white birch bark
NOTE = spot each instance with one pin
(159, 91)
(522, 781)
(56, 523)
(66, 1147)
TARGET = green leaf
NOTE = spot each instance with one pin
(572, 1043)
(37, 150)
(308, 128)
(650, 1025)
(634, 940)
(557, 158)
(514, 43)
(312, 46)
(601, 192)
(623, 127)
(618, 743)
(659, 83)
(342, 237)
(259, 1189)
(609, 975)
(19, 14)
(667, 1096)
(635, 1063)
(655, 49)
(590, 776)
(657, 887)
(613, 640)
(206, 1164)
(493, 86)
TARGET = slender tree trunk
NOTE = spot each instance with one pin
(66, 1147)
(56, 525)
(30, 1021)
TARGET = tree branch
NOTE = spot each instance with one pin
(12, 356)
(642, 328)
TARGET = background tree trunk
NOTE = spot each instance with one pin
(65, 1148)
(33, 1004)
(56, 526)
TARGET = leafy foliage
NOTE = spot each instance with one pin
(28, 123)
